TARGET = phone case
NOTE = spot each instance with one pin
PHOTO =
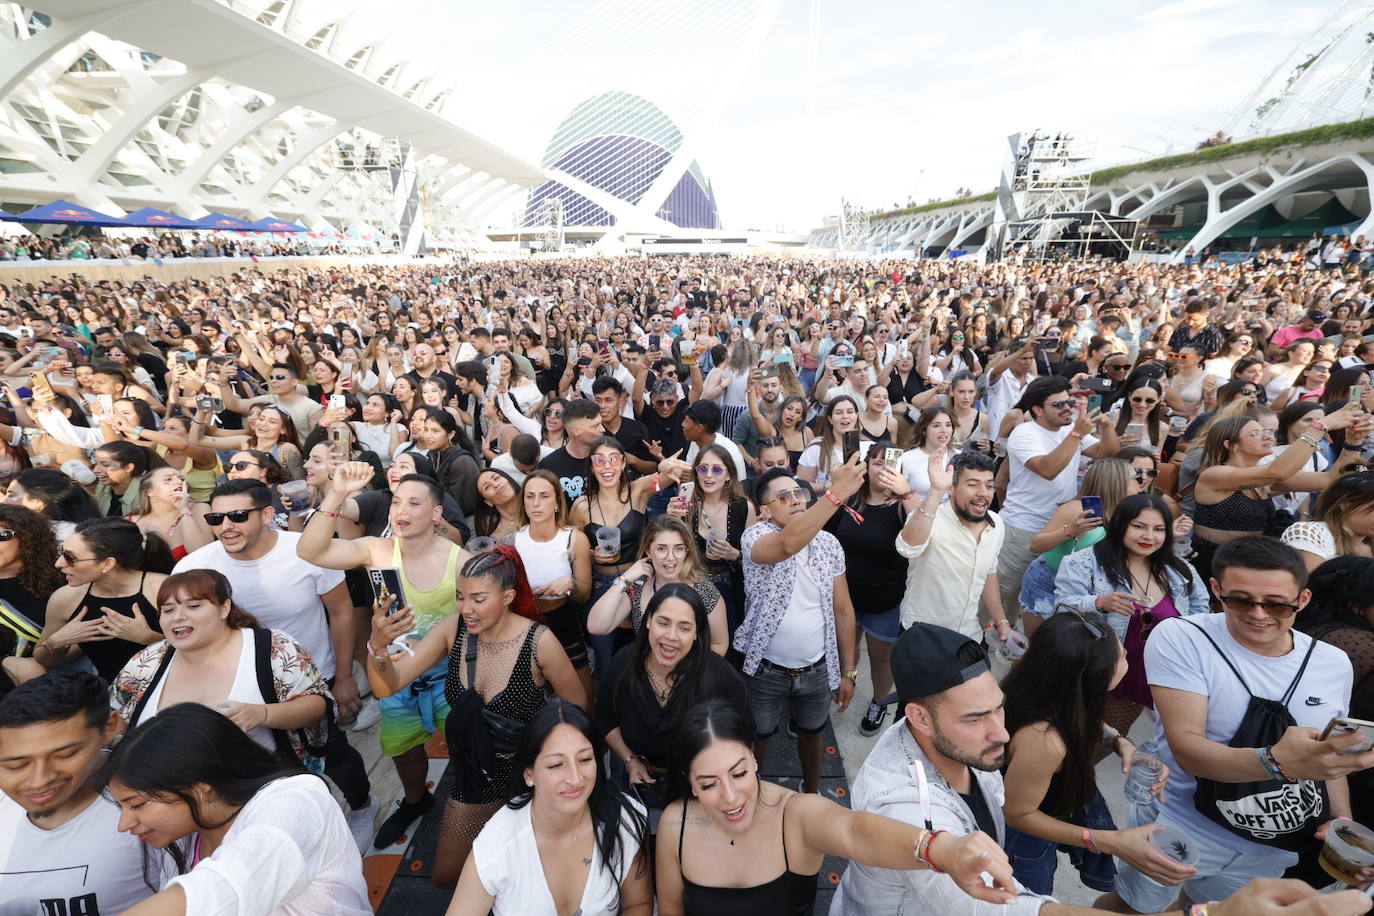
(386, 581)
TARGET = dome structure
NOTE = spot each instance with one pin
(620, 143)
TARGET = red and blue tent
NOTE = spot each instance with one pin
(271, 224)
(63, 212)
(152, 217)
(222, 221)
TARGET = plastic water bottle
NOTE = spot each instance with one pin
(1145, 769)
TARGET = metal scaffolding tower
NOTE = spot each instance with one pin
(383, 171)
(853, 226)
(550, 220)
(1042, 199)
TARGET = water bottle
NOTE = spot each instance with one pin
(1145, 769)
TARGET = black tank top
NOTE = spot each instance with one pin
(631, 531)
(110, 655)
(789, 894)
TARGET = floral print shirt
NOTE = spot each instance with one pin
(293, 674)
(768, 593)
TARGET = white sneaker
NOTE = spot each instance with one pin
(364, 686)
(368, 716)
(360, 823)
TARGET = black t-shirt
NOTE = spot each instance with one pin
(870, 556)
(667, 431)
(25, 603)
(447, 376)
(979, 806)
(634, 436)
(571, 472)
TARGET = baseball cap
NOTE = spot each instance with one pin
(929, 659)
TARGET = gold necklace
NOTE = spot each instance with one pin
(661, 689)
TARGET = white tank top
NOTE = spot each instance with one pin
(545, 561)
(244, 690)
(736, 393)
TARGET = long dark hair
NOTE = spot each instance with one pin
(186, 745)
(62, 499)
(1341, 590)
(1111, 550)
(702, 725)
(1156, 415)
(692, 672)
(611, 810)
(37, 550)
(131, 547)
(1063, 680)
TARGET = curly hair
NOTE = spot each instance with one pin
(38, 572)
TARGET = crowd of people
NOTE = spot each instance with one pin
(614, 527)
(27, 248)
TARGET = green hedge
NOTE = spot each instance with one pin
(1327, 133)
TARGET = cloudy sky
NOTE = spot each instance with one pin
(904, 98)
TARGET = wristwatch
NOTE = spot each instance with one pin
(853, 675)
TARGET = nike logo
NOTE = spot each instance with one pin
(1314, 701)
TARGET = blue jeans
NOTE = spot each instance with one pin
(1034, 860)
(603, 647)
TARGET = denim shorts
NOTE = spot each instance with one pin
(884, 626)
(773, 691)
(1034, 860)
(1221, 870)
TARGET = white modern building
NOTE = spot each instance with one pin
(237, 106)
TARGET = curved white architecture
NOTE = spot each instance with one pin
(237, 106)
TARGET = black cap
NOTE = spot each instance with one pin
(927, 660)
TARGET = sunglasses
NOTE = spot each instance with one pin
(1277, 609)
(1119, 366)
(612, 460)
(279, 378)
(550, 412)
(71, 559)
(243, 465)
(664, 403)
(711, 470)
(1094, 627)
(1060, 404)
(1141, 474)
(1135, 400)
(6, 534)
(237, 516)
(790, 497)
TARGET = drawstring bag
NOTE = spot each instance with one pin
(1270, 812)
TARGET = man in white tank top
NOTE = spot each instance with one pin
(60, 847)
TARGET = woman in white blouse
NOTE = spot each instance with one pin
(569, 842)
(241, 831)
(1343, 524)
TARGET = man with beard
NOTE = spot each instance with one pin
(60, 847)
(952, 546)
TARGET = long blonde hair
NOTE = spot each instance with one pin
(693, 570)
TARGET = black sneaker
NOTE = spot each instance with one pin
(873, 720)
(406, 813)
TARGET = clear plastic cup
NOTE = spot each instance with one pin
(1349, 847)
(1013, 647)
(1145, 770)
(298, 491)
(608, 539)
(1175, 844)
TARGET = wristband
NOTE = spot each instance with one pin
(1077, 434)
(858, 519)
(655, 483)
(328, 514)
(373, 652)
(1108, 734)
(1353, 446)
(1318, 424)
(1088, 840)
(1068, 533)
(923, 850)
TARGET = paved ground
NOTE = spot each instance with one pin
(413, 896)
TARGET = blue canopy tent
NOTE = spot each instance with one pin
(66, 213)
(275, 225)
(153, 218)
(222, 221)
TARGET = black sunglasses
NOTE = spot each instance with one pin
(243, 465)
(237, 516)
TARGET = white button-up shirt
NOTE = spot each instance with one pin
(945, 575)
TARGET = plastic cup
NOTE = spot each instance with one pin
(298, 491)
(608, 539)
(1144, 772)
(1349, 847)
(481, 544)
(1013, 647)
(1175, 844)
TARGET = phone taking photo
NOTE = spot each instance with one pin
(386, 581)
(1092, 505)
(850, 445)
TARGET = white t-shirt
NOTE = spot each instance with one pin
(1031, 499)
(1179, 657)
(288, 853)
(1002, 396)
(280, 589)
(916, 470)
(509, 867)
(84, 866)
(799, 639)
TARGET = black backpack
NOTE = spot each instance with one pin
(1270, 812)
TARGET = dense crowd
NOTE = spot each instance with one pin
(613, 527)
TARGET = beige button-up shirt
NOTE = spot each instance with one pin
(945, 575)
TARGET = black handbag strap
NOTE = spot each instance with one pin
(1291, 687)
(148, 690)
(470, 656)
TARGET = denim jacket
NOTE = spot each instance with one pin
(1081, 579)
